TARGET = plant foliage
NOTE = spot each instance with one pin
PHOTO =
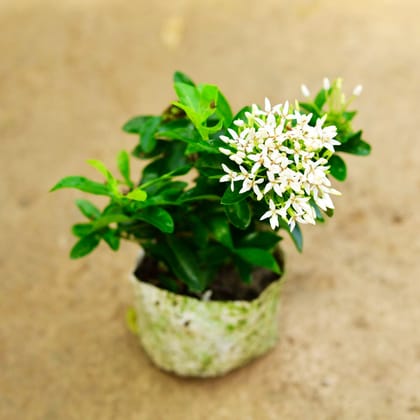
(195, 228)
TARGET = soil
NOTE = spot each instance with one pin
(227, 284)
(72, 72)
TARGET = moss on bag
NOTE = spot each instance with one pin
(193, 337)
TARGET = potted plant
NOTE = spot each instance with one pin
(214, 192)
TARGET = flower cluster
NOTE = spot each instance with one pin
(279, 157)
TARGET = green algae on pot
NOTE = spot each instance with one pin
(202, 338)
(251, 177)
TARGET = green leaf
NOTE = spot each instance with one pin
(183, 170)
(221, 230)
(190, 136)
(84, 246)
(105, 220)
(88, 209)
(311, 108)
(83, 184)
(188, 95)
(297, 237)
(147, 134)
(171, 190)
(241, 114)
(111, 237)
(329, 212)
(185, 264)
(157, 217)
(180, 77)
(173, 158)
(138, 195)
(239, 214)
(123, 162)
(199, 103)
(191, 195)
(349, 115)
(156, 183)
(209, 160)
(232, 197)
(263, 240)
(258, 257)
(353, 138)
(319, 217)
(337, 167)
(101, 168)
(223, 110)
(244, 268)
(320, 98)
(200, 233)
(209, 95)
(82, 229)
(146, 126)
(360, 148)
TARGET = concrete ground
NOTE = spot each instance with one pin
(72, 72)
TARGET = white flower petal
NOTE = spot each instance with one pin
(305, 91)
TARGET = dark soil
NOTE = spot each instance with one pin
(227, 284)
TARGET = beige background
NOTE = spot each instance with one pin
(72, 72)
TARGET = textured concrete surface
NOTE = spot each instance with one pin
(71, 72)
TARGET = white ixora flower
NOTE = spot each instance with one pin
(282, 159)
(231, 176)
(305, 91)
(357, 90)
(273, 214)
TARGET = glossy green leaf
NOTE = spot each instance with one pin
(208, 160)
(337, 167)
(105, 220)
(295, 234)
(185, 265)
(349, 115)
(110, 236)
(241, 114)
(239, 214)
(199, 103)
(297, 237)
(329, 212)
(320, 98)
(180, 77)
(232, 197)
(353, 138)
(88, 209)
(147, 134)
(101, 168)
(157, 217)
(82, 229)
(319, 217)
(244, 268)
(123, 162)
(85, 246)
(138, 195)
(258, 257)
(263, 240)
(171, 190)
(360, 148)
(188, 95)
(220, 229)
(311, 108)
(146, 126)
(223, 110)
(83, 184)
(183, 170)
